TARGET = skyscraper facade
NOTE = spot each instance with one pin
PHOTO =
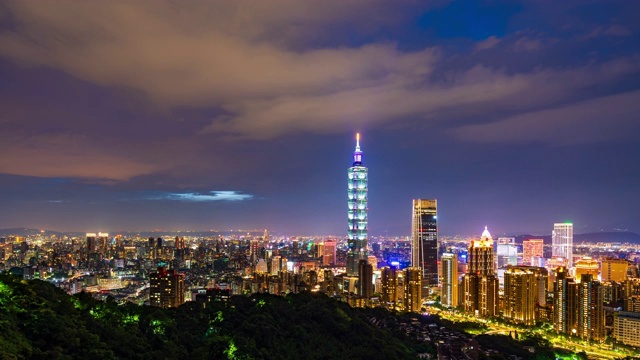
(524, 288)
(590, 309)
(365, 279)
(413, 289)
(614, 270)
(424, 250)
(329, 256)
(166, 288)
(562, 242)
(389, 289)
(565, 303)
(480, 285)
(357, 215)
(449, 295)
(532, 248)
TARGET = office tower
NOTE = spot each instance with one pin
(254, 247)
(614, 270)
(261, 266)
(166, 288)
(507, 252)
(357, 215)
(590, 309)
(586, 265)
(275, 264)
(449, 295)
(480, 256)
(532, 248)
(523, 287)
(626, 328)
(365, 279)
(562, 242)
(565, 307)
(424, 250)
(329, 253)
(412, 289)
(152, 242)
(480, 285)
(389, 283)
(102, 242)
(91, 243)
(179, 243)
(319, 250)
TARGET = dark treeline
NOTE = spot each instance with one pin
(40, 321)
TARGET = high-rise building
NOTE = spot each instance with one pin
(389, 284)
(523, 287)
(365, 279)
(480, 256)
(565, 306)
(626, 328)
(166, 288)
(480, 285)
(449, 294)
(412, 289)
(562, 242)
(329, 256)
(614, 270)
(91, 243)
(590, 309)
(275, 264)
(587, 265)
(358, 211)
(507, 252)
(424, 250)
(532, 248)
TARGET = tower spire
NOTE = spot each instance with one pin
(357, 154)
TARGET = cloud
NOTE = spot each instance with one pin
(602, 119)
(211, 196)
(488, 43)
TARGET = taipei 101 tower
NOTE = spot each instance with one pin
(358, 222)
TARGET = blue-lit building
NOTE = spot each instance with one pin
(357, 215)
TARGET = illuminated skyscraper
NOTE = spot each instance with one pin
(412, 289)
(481, 255)
(357, 215)
(91, 243)
(449, 297)
(587, 265)
(507, 252)
(565, 303)
(590, 309)
(389, 284)
(480, 285)
(329, 253)
(424, 251)
(522, 288)
(365, 279)
(614, 270)
(532, 248)
(166, 288)
(562, 242)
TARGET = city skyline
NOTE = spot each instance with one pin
(236, 116)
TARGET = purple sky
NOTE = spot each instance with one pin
(242, 114)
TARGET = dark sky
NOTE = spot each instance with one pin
(241, 114)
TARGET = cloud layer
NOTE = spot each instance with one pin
(211, 196)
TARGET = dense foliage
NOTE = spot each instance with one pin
(40, 321)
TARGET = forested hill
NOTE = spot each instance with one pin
(40, 321)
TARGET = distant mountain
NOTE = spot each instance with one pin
(27, 232)
(610, 237)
